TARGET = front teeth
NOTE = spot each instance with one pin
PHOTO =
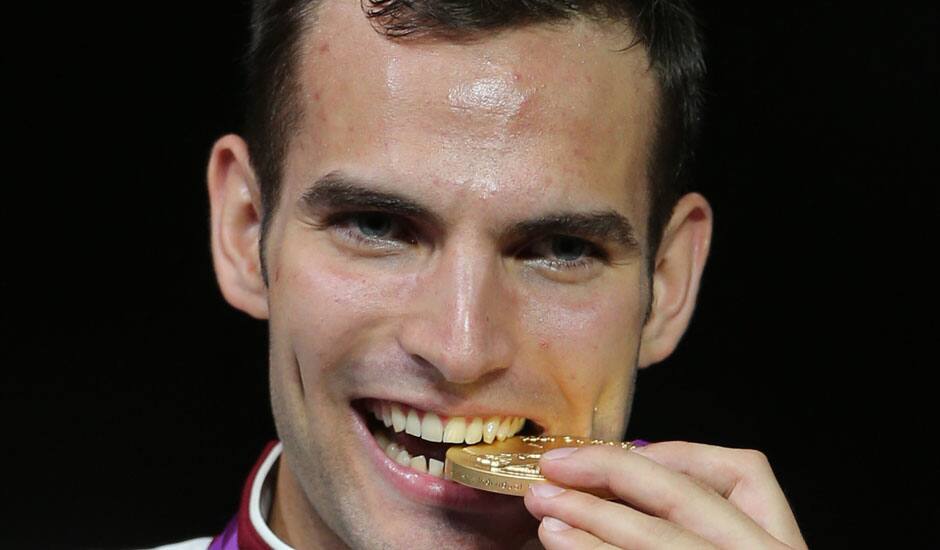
(456, 430)
(430, 427)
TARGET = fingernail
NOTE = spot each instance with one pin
(552, 524)
(555, 454)
(546, 490)
(640, 443)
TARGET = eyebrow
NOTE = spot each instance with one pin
(340, 191)
(337, 190)
(605, 225)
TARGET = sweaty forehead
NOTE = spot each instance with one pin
(564, 101)
(503, 82)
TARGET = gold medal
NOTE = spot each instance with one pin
(509, 466)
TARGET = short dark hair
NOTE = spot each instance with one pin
(667, 28)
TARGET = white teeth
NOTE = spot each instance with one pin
(398, 418)
(456, 430)
(400, 455)
(413, 425)
(419, 463)
(475, 431)
(436, 468)
(403, 458)
(503, 432)
(386, 414)
(489, 429)
(431, 428)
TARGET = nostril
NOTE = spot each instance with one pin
(421, 361)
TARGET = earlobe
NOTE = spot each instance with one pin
(678, 268)
(235, 207)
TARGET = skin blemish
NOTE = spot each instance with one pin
(324, 47)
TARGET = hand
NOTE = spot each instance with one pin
(673, 495)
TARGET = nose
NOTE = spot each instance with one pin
(461, 320)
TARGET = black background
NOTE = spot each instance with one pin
(135, 399)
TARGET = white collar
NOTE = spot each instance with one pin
(259, 503)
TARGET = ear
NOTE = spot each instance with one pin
(235, 205)
(677, 273)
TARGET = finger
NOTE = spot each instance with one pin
(611, 522)
(658, 491)
(558, 535)
(744, 477)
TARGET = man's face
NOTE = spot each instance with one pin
(452, 238)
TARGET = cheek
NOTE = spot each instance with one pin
(592, 325)
(325, 311)
(588, 346)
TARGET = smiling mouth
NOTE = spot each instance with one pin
(419, 439)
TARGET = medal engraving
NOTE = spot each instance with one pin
(509, 466)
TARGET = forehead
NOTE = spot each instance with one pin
(564, 104)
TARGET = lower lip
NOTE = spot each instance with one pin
(427, 489)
